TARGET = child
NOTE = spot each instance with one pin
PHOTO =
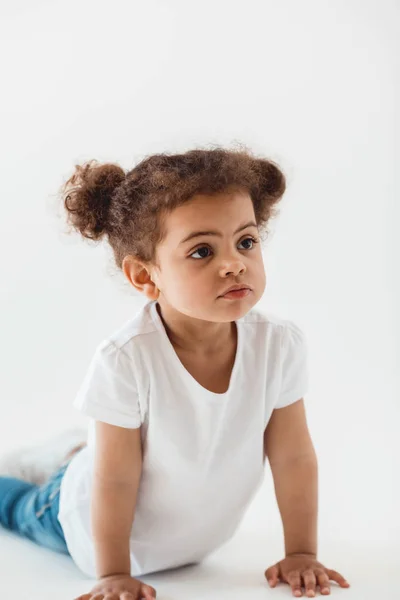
(191, 395)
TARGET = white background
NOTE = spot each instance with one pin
(309, 84)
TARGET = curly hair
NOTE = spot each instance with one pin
(128, 208)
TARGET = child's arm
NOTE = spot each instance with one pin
(117, 472)
(291, 455)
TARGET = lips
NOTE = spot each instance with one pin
(235, 288)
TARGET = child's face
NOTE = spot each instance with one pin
(193, 274)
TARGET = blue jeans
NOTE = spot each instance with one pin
(31, 510)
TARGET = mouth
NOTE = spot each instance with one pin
(236, 292)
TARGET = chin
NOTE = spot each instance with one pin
(236, 310)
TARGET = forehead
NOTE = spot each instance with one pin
(224, 210)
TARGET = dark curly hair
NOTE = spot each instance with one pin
(102, 200)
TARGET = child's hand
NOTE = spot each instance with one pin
(303, 570)
(121, 587)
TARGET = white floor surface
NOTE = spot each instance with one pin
(235, 571)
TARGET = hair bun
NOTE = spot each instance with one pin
(88, 195)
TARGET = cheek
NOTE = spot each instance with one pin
(261, 275)
(174, 277)
(187, 280)
(263, 282)
(261, 269)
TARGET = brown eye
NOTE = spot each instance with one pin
(247, 240)
(201, 251)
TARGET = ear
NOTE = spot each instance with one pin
(139, 275)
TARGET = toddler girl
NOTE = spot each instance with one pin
(190, 396)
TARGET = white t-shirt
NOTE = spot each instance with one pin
(203, 457)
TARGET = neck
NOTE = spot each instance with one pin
(195, 336)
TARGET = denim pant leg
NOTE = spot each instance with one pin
(31, 510)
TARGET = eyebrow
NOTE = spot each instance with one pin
(200, 233)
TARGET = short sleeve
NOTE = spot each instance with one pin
(109, 391)
(295, 376)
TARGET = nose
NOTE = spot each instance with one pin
(233, 267)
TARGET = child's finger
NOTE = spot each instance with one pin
(335, 576)
(310, 581)
(148, 592)
(294, 580)
(323, 581)
(272, 575)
